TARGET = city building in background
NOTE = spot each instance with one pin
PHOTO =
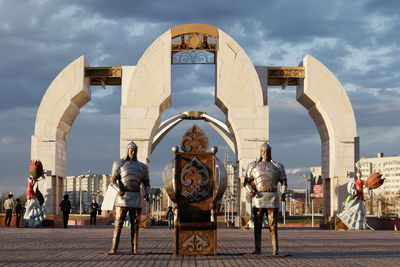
(295, 201)
(230, 199)
(297, 205)
(386, 199)
(158, 203)
(83, 188)
(307, 201)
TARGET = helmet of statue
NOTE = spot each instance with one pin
(266, 146)
(132, 145)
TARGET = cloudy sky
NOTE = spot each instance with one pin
(357, 40)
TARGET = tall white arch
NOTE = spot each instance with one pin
(323, 96)
(59, 107)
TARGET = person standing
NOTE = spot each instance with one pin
(65, 208)
(170, 217)
(93, 211)
(9, 207)
(261, 182)
(18, 211)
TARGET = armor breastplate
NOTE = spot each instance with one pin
(266, 175)
(131, 175)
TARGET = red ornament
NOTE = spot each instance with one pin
(374, 180)
(36, 169)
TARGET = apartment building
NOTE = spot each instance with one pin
(385, 199)
(83, 188)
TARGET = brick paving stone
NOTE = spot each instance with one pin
(81, 246)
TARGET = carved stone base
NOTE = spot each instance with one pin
(195, 242)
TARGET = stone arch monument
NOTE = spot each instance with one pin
(321, 93)
(240, 92)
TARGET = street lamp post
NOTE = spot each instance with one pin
(312, 210)
(307, 200)
(153, 205)
(80, 194)
(379, 207)
(229, 205)
(284, 212)
(159, 209)
(225, 208)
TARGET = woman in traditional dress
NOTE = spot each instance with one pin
(34, 214)
(353, 214)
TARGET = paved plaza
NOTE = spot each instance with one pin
(308, 247)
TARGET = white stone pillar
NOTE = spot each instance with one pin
(328, 105)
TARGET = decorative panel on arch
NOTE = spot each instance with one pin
(194, 44)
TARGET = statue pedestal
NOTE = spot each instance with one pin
(52, 220)
(195, 229)
(195, 241)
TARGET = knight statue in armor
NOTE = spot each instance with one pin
(126, 177)
(261, 182)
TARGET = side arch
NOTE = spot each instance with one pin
(323, 96)
(60, 106)
(146, 93)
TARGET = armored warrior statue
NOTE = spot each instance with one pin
(261, 182)
(126, 177)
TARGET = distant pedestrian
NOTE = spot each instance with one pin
(65, 208)
(9, 207)
(93, 211)
(170, 217)
(19, 211)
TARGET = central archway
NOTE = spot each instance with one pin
(146, 91)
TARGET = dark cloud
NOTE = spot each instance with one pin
(376, 107)
(35, 51)
(389, 7)
(171, 13)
